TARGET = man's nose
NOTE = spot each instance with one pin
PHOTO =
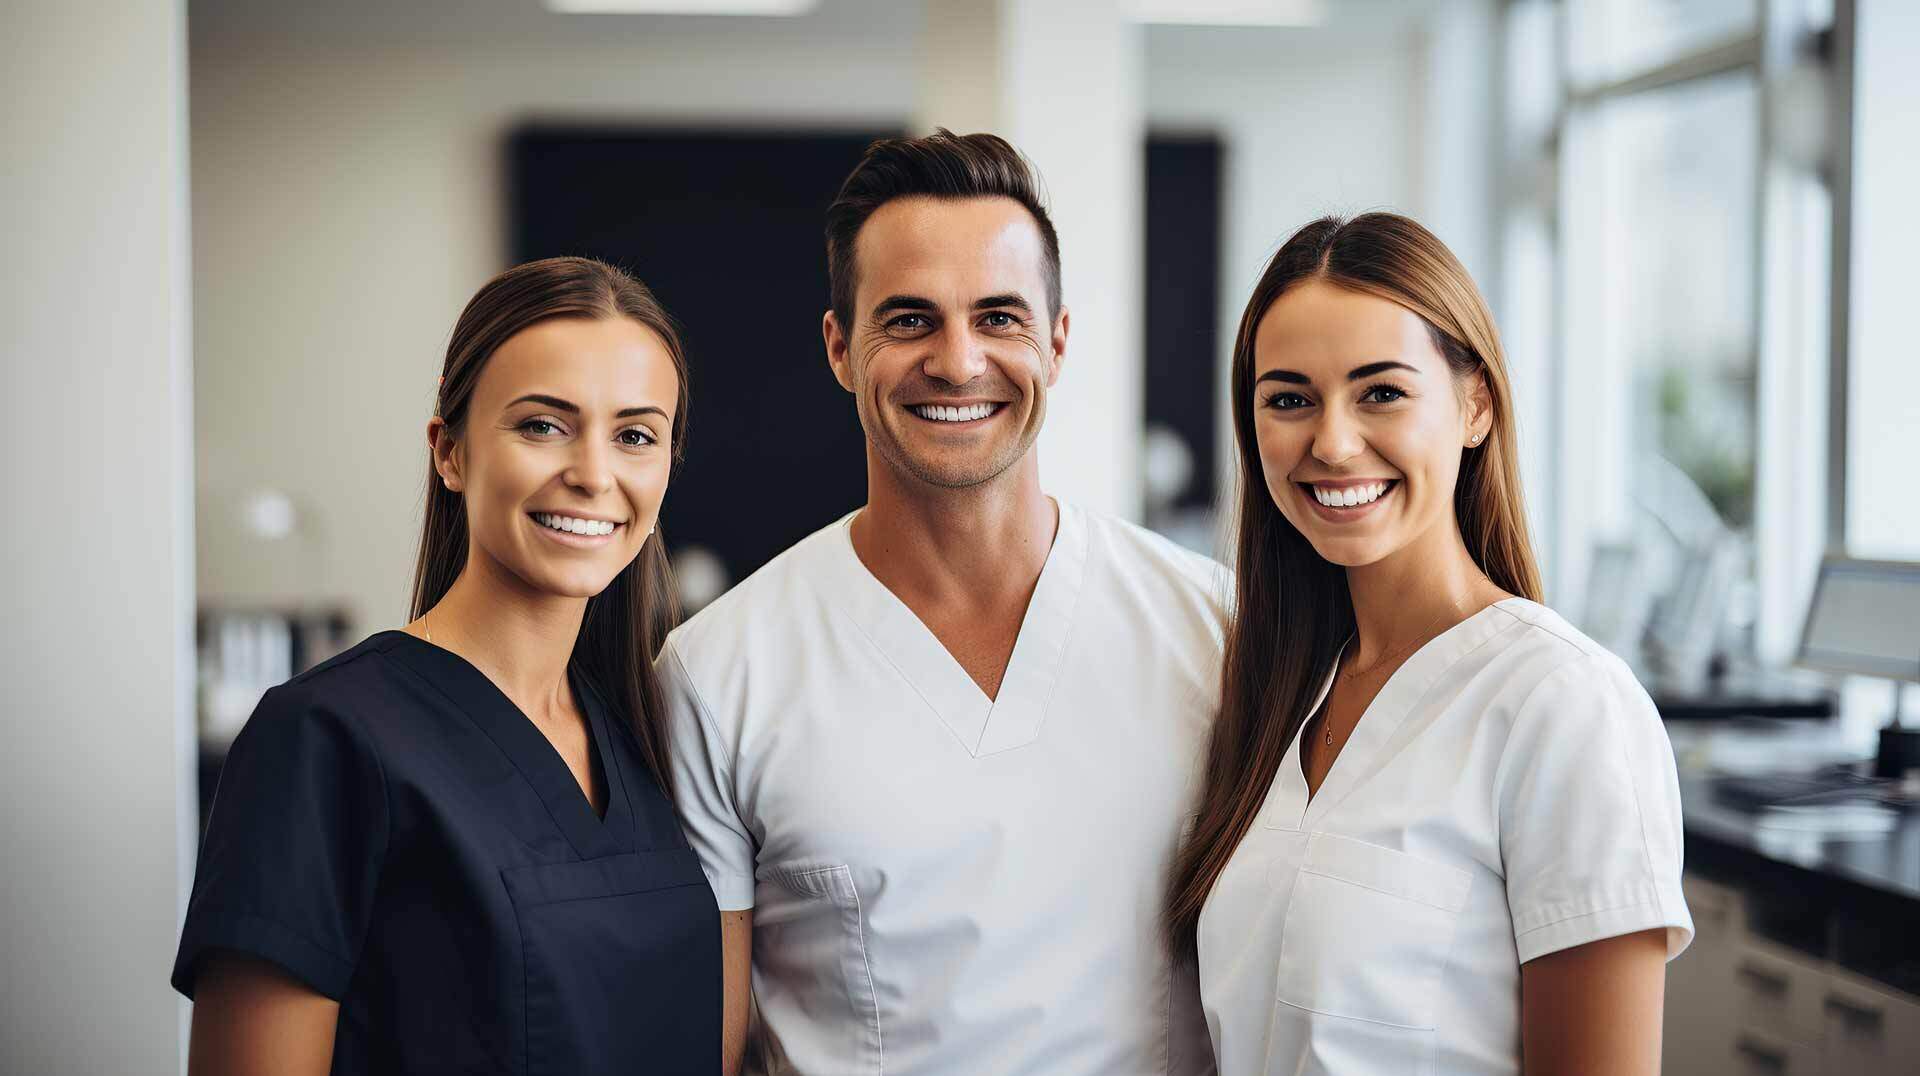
(954, 356)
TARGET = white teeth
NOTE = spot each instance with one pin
(572, 525)
(1350, 496)
(939, 413)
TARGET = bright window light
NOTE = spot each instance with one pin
(1230, 12)
(682, 7)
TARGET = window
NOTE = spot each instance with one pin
(1687, 445)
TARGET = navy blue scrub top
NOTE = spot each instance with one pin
(395, 833)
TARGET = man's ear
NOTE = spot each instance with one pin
(446, 457)
(837, 358)
(1057, 348)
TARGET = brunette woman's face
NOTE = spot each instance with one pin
(565, 455)
(1360, 421)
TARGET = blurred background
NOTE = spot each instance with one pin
(242, 231)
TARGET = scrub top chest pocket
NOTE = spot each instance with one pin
(610, 944)
(1368, 932)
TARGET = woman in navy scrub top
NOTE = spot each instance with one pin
(453, 848)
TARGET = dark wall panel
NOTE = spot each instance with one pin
(1182, 297)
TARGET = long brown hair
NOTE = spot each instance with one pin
(1293, 612)
(625, 623)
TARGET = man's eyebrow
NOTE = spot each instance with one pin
(1360, 373)
(902, 302)
(1010, 299)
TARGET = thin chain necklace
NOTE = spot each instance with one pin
(1426, 636)
(426, 627)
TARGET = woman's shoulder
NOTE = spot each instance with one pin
(1541, 642)
(1553, 675)
(335, 696)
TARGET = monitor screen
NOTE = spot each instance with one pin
(1865, 619)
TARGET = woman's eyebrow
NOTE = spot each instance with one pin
(1359, 373)
(554, 402)
(570, 408)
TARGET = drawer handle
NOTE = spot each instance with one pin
(1762, 1056)
(1857, 1016)
(1764, 981)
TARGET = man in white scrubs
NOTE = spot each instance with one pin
(936, 757)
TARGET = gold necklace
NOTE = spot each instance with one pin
(1425, 637)
(425, 626)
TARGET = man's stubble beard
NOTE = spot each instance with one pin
(891, 449)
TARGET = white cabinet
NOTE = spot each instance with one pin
(1778, 992)
(1738, 1005)
(1869, 1029)
(1700, 1021)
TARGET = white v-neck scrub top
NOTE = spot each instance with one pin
(1509, 793)
(943, 883)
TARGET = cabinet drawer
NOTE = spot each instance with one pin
(1777, 993)
(1756, 1053)
(1869, 1030)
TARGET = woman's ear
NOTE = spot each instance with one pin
(446, 458)
(1479, 409)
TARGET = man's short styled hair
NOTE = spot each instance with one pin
(941, 165)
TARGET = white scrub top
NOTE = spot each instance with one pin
(1509, 793)
(943, 883)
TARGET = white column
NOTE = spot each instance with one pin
(1883, 417)
(97, 535)
(1061, 79)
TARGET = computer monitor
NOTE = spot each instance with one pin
(1864, 619)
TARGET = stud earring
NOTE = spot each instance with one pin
(1476, 440)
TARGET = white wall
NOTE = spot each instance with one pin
(97, 538)
(348, 199)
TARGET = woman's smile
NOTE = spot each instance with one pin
(1347, 502)
(579, 532)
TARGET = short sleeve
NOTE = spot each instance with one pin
(703, 786)
(292, 854)
(1590, 830)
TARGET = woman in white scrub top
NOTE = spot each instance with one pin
(1440, 831)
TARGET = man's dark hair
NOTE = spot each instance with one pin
(941, 165)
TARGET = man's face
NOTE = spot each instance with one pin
(951, 348)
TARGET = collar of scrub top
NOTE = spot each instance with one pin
(531, 753)
(983, 726)
(1369, 745)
